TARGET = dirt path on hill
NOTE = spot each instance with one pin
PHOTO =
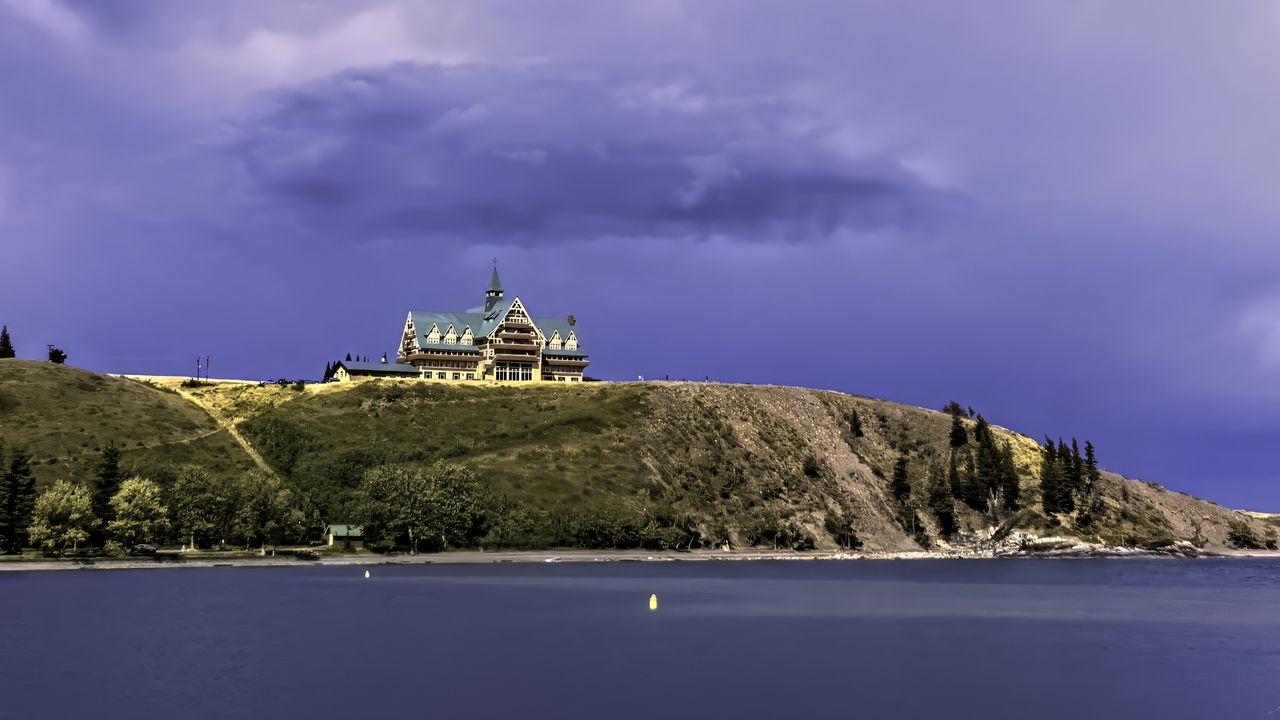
(224, 424)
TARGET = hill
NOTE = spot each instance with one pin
(63, 417)
(700, 463)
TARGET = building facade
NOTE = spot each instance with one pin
(500, 340)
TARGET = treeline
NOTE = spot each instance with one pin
(411, 506)
(979, 472)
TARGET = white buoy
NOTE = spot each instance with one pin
(653, 602)
(366, 574)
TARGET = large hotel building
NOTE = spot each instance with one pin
(499, 340)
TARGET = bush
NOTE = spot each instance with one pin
(1240, 534)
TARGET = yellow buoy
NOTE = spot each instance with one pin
(653, 602)
(366, 574)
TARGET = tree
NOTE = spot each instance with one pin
(107, 484)
(1055, 482)
(19, 489)
(348, 357)
(900, 485)
(199, 506)
(62, 517)
(262, 510)
(6, 345)
(439, 502)
(939, 500)
(1008, 478)
(840, 525)
(959, 436)
(138, 513)
(56, 355)
(855, 423)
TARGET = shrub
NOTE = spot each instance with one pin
(1241, 535)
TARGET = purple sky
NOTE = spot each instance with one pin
(1063, 214)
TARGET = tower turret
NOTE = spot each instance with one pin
(494, 293)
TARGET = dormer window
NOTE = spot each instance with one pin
(434, 335)
(450, 337)
(555, 343)
(467, 337)
(572, 342)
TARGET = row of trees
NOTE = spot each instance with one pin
(980, 471)
(56, 354)
(1070, 481)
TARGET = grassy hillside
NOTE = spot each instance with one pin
(722, 463)
(63, 417)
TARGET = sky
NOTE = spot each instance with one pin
(1061, 214)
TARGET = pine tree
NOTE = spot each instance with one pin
(1092, 475)
(56, 355)
(939, 500)
(6, 345)
(959, 436)
(900, 486)
(20, 496)
(975, 491)
(855, 424)
(1077, 469)
(1049, 480)
(348, 357)
(1009, 478)
(105, 487)
(954, 482)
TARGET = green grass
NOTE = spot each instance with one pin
(64, 416)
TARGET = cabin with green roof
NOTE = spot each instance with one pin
(497, 341)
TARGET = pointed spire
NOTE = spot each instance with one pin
(494, 293)
(495, 285)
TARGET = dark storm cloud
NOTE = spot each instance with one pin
(542, 155)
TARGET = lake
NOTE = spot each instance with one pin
(862, 639)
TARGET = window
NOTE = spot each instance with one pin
(513, 371)
(471, 376)
(440, 375)
(571, 343)
(457, 376)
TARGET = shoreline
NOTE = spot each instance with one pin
(479, 557)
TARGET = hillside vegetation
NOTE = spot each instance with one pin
(597, 464)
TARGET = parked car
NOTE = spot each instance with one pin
(144, 549)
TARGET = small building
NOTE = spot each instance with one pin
(351, 536)
(347, 370)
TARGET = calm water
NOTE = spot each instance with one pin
(920, 639)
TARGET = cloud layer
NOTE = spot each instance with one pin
(544, 154)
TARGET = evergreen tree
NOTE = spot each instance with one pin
(19, 496)
(975, 489)
(939, 501)
(105, 487)
(56, 355)
(348, 357)
(1077, 469)
(959, 436)
(954, 482)
(1091, 473)
(855, 423)
(6, 345)
(900, 486)
(1009, 489)
(1055, 479)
